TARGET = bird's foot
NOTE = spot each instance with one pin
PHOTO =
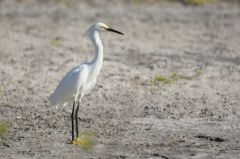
(76, 141)
(70, 142)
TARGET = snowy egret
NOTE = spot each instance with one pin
(81, 79)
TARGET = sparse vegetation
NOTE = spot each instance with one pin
(57, 41)
(198, 72)
(189, 2)
(174, 77)
(85, 140)
(159, 78)
(3, 128)
(198, 2)
(1, 90)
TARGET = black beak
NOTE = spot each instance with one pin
(115, 31)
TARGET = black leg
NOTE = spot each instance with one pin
(76, 118)
(72, 117)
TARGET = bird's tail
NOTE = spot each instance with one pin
(53, 100)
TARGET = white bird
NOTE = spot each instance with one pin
(81, 79)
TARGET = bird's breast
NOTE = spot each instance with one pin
(89, 85)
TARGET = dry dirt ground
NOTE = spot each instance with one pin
(195, 116)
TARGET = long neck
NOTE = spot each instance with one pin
(98, 59)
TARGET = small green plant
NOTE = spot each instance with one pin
(159, 78)
(3, 128)
(198, 72)
(57, 41)
(64, 2)
(85, 140)
(1, 90)
(198, 2)
(174, 77)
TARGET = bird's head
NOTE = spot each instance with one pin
(104, 27)
(100, 27)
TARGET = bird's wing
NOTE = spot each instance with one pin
(67, 88)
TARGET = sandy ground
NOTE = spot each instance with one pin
(197, 116)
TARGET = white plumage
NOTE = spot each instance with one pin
(70, 86)
(81, 79)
